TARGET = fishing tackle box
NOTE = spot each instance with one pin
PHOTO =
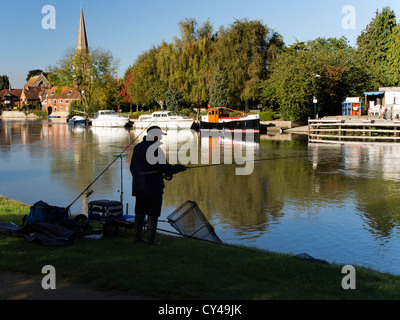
(100, 209)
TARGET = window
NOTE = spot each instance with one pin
(66, 101)
(60, 100)
(70, 91)
(55, 101)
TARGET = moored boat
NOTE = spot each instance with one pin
(78, 121)
(109, 118)
(165, 120)
(219, 119)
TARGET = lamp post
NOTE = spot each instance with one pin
(315, 100)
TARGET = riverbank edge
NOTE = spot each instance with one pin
(266, 126)
(249, 273)
(20, 115)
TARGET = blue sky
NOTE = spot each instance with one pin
(129, 27)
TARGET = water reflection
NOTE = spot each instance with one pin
(336, 202)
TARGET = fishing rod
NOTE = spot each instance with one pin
(226, 164)
(112, 162)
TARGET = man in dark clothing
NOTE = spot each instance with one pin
(148, 167)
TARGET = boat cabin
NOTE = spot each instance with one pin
(221, 113)
(166, 114)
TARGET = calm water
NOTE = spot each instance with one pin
(335, 202)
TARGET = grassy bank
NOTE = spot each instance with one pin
(186, 269)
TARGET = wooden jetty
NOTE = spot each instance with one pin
(359, 129)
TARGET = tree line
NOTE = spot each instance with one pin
(248, 65)
(243, 66)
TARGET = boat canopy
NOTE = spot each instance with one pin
(376, 93)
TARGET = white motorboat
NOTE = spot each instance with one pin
(78, 121)
(165, 120)
(109, 118)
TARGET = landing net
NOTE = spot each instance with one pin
(190, 221)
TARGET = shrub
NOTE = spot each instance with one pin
(268, 116)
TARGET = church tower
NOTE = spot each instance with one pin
(82, 38)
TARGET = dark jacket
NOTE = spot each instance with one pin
(148, 179)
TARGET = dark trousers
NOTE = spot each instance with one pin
(152, 208)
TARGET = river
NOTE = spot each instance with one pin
(338, 203)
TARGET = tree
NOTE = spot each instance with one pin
(394, 55)
(219, 95)
(243, 51)
(32, 73)
(373, 46)
(4, 82)
(173, 99)
(290, 87)
(89, 72)
(192, 53)
(146, 84)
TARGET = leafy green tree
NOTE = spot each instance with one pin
(146, 84)
(373, 46)
(243, 52)
(192, 52)
(219, 95)
(173, 99)
(394, 55)
(324, 65)
(4, 82)
(89, 72)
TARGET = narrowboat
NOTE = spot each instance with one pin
(219, 119)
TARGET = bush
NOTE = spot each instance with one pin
(268, 116)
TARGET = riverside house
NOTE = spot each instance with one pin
(59, 100)
(10, 98)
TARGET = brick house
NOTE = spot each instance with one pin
(59, 100)
(10, 98)
(31, 97)
(33, 90)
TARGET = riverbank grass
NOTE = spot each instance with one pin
(183, 268)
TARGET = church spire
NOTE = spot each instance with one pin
(82, 39)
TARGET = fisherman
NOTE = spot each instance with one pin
(149, 167)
